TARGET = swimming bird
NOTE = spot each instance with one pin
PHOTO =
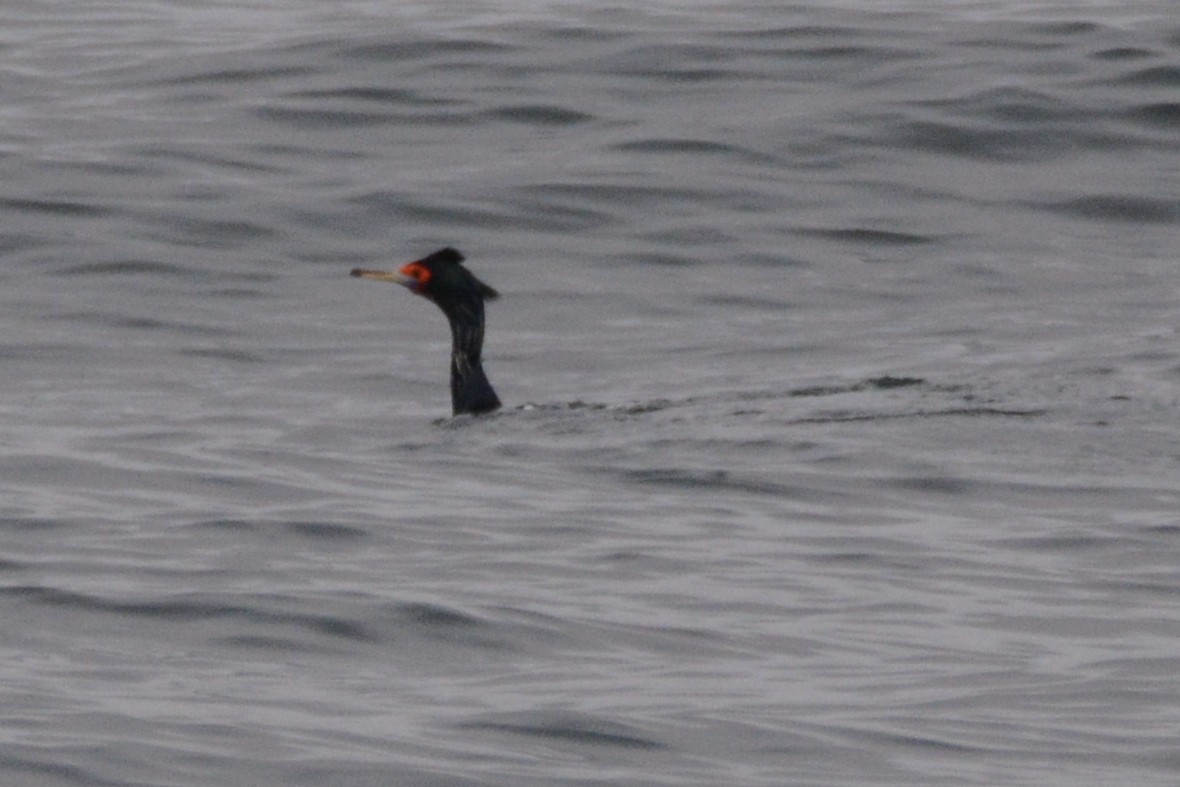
(441, 278)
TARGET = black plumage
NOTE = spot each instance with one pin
(442, 278)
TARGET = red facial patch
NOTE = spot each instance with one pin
(416, 271)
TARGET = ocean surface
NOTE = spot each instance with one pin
(840, 353)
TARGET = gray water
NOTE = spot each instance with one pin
(839, 348)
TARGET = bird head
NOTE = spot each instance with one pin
(440, 277)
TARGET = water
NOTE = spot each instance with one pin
(839, 350)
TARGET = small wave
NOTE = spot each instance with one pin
(267, 643)
(884, 382)
(943, 485)
(1008, 105)
(375, 95)
(1156, 76)
(1076, 28)
(581, 729)
(191, 609)
(949, 412)
(1120, 207)
(1163, 115)
(319, 119)
(41, 352)
(320, 531)
(546, 408)
(326, 531)
(709, 480)
(1058, 543)
(47, 761)
(538, 115)
(447, 624)
(413, 208)
(765, 303)
(818, 32)
(987, 143)
(434, 615)
(210, 158)
(63, 208)
(25, 524)
(138, 323)
(872, 237)
(690, 75)
(394, 51)
(207, 233)
(12, 242)
(228, 76)
(691, 147)
(1122, 53)
(222, 354)
(129, 268)
(652, 406)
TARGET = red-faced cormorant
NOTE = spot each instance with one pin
(442, 278)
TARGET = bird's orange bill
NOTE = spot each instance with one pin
(365, 273)
(412, 275)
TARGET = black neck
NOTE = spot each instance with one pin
(470, 390)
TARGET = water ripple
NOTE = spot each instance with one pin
(1121, 208)
(578, 729)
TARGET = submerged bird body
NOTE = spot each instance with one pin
(442, 279)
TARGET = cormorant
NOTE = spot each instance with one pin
(442, 278)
